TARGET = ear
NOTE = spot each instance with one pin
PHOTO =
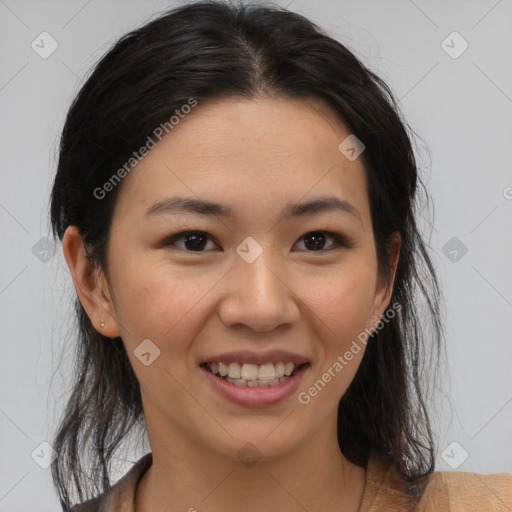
(91, 285)
(383, 289)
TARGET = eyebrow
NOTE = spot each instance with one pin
(208, 208)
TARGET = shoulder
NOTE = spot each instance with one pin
(92, 505)
(122, 493)
(461, 491)
(441, 491)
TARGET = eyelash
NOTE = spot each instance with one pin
(339, 240)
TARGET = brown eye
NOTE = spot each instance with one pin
(315, 241)
(196, 241)
(193, 241)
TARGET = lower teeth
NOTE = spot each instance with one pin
(255, 383)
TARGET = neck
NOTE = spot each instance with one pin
(191, 478)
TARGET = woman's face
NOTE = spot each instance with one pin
(267, 283)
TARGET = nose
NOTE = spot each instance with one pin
(258, 296)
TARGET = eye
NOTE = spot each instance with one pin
(194, 241)
(315, 241)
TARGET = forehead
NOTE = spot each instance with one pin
(248, 152)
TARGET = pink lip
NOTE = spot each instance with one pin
(259, 358)
(255, 397)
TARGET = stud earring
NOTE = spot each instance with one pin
(102, 323)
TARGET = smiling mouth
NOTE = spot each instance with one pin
(253, 375)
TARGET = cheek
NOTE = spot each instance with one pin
(160, 302)
(342, 299)
(342, 306)
(163, 307)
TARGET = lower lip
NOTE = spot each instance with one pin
(255, 397)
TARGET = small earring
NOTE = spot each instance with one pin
(102, 323)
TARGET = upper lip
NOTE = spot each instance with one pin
(259, 358)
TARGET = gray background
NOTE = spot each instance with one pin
(461, 107)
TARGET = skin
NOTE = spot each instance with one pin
(255, 156)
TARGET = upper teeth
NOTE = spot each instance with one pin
(252, 371)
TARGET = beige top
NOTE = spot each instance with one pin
(445, 491)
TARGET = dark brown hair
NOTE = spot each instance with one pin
(208, 50)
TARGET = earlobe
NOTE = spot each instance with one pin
(90, 284)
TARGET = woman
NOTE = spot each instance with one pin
(236, 198)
